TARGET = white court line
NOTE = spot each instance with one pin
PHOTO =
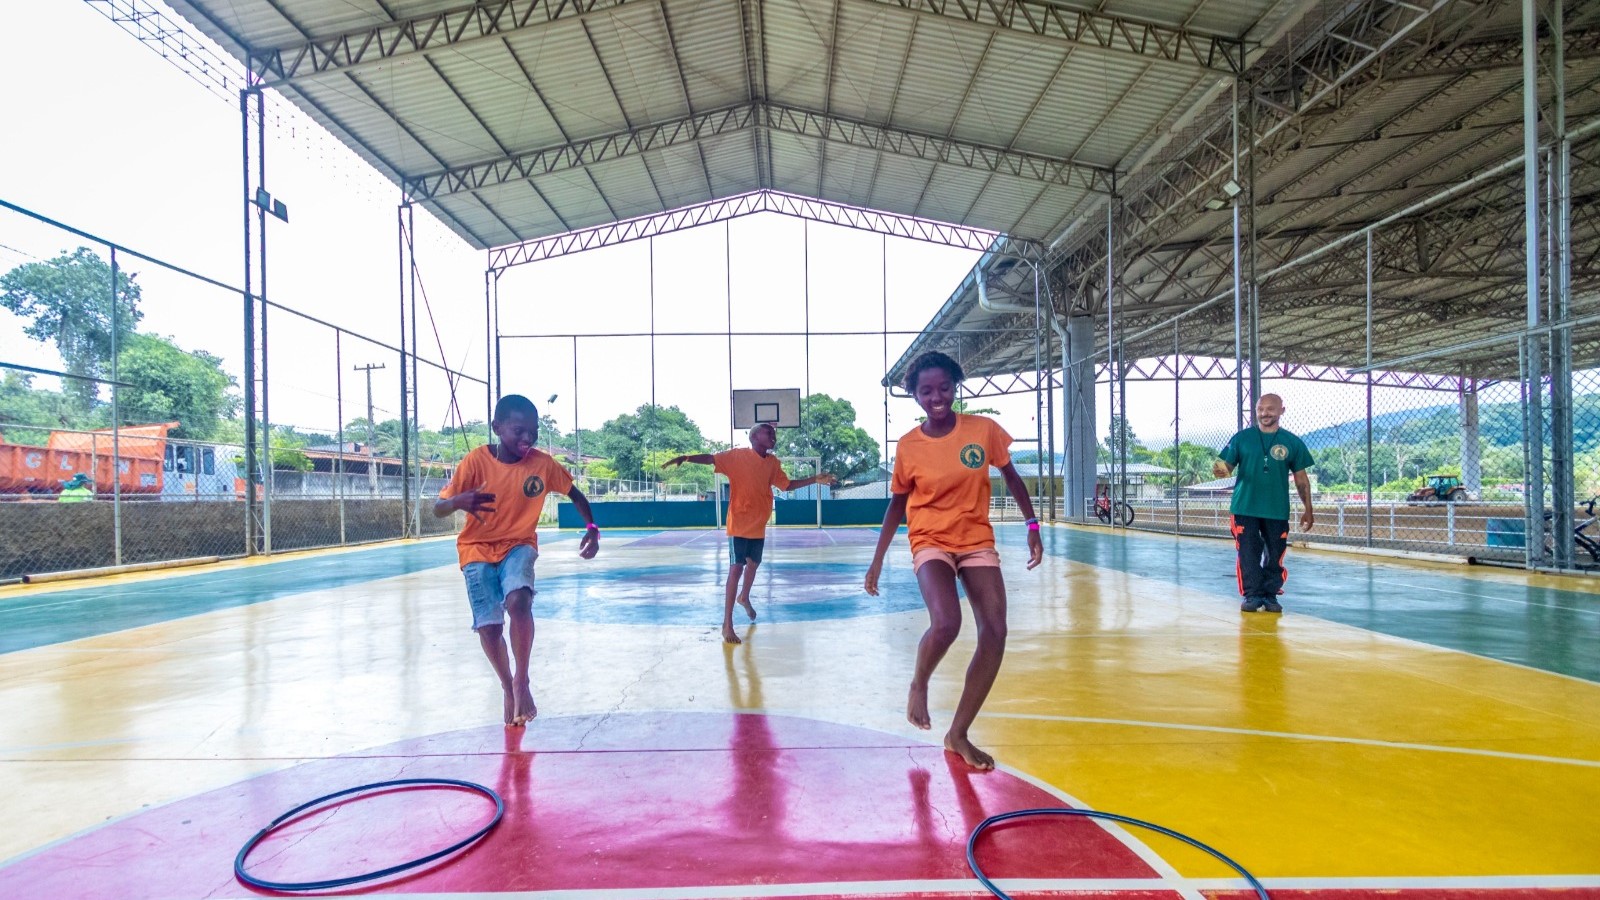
(970, 886)
(1289, 735)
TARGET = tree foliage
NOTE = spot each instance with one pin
(67, 301)
(627, 440)
(170, 384)
(828, 429)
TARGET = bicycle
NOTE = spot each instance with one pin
(1579, 539)
(1102, 507)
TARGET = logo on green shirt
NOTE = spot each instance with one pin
(972, 456)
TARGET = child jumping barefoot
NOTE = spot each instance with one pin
(503, 488)
(941, 488)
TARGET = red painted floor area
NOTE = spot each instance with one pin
(637, 801)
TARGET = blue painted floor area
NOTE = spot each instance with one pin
(34, 620)
(1549, 629)
(692, 593)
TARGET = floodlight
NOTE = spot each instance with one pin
(1215, 203)
(1231, 188)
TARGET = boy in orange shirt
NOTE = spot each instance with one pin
(941, 489)
(752, 474)
(498, 544)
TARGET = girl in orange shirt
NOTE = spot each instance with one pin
(941, 489)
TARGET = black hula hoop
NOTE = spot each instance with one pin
(247, 878)
(972, 842)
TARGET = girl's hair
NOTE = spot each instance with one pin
(933, 359)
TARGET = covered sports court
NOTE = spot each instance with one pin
(1373, 198)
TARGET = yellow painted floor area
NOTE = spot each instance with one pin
(1301, 747)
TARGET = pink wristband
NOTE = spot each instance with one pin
(1033, 524)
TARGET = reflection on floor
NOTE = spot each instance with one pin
(1423, 728)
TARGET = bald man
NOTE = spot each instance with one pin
(1263, 458)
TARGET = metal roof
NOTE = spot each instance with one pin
(1363, 111)
(514, 120)
(518, 119)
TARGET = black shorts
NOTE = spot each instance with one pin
(741, 549)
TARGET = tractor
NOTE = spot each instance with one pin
(1440, 487)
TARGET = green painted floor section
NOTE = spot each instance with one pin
(1549, 629)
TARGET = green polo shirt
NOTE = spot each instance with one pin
(1262, 464)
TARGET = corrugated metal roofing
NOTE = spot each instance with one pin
(607, 68)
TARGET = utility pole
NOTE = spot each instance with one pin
(372, 474)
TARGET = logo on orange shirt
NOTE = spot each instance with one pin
(972, 456)
(534, 486)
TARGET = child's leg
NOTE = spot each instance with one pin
(519, 607)
(744, 588)
(986, 591)
(938, 583)
(730, 590)
(494, 647)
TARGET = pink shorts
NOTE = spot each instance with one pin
(980, 558)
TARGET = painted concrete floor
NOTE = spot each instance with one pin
(1403, 727)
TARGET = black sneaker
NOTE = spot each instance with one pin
(1252, 604)
(1271, 605)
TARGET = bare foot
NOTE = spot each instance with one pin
(728, 637)
(510, 706)
(526, 709)
(917, 707)
(748, 609)
(975, 758)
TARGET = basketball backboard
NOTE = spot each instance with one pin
(781, 407)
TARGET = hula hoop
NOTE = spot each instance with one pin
(247, 878)
(972, 842)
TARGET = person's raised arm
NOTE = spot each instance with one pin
(1019, 493)
(702, 459)
(590, 544)
(892, 517)
(824, 478)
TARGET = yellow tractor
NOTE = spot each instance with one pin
(1440, 487)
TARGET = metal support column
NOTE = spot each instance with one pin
(407, 326)
(116, 426)
(1078, 415)
(1369, 389)
(1238, 281)
(1532, 374)
(1562, 487)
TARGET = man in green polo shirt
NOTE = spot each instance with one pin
(1262, 459)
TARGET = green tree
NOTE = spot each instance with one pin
(67, 300)
(170, 384)
(626, 440)
(23, 404)
(1192, 465)
(828, 429)
(702, 477)
(1121, 433)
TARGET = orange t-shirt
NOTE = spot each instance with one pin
(519, 490)
(947, 479)
(751, 478)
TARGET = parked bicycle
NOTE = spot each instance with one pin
(1580, 540)
(1103, 507)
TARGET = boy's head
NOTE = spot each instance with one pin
(516, 424)
(763, 438)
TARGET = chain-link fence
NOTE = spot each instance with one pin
(123, 435)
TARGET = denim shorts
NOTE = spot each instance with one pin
(489, 583)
